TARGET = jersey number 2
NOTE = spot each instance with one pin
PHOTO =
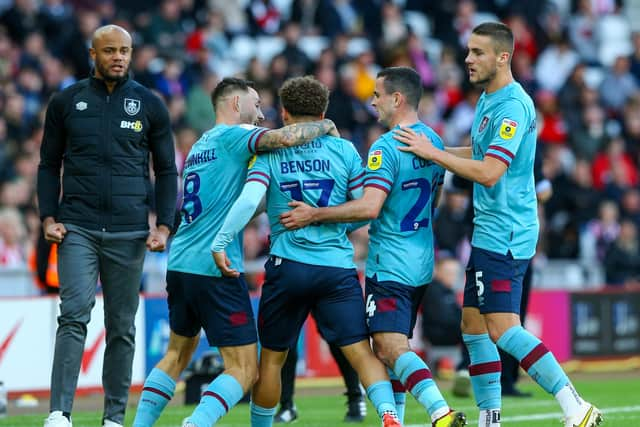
(410, 222)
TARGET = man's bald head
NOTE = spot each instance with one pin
(111, 53)
(107, 30)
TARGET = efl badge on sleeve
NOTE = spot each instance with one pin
(508, 129)
(252, 161)
(375, 160)
(131, 106)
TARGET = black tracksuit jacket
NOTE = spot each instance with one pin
(101, 142)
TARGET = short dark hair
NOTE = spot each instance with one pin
(500, 34)
(404, 80)
(228, 85)
(304, 96)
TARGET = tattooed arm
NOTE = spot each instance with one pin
(296, 134)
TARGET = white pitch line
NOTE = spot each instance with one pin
(547, 416)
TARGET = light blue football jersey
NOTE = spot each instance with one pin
(401, 238)
(323, 172)
(214, 174)
(506, 217)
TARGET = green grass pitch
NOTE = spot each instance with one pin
(619, 398)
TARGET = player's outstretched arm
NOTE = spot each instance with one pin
(363, 209)
(240, 214)
(296, 134)
(485, 172)
(464, 152)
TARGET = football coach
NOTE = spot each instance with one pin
(93, 182)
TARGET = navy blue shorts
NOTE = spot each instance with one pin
(494, 281)
(392, 306)
(219, 305)
(292, 290)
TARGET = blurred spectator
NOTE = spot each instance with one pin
(634, 67)
(452, 225)
(171, 83)
(631, 126)
(316, 17)
(588, 137)
(573, 195)
(618, 85)
(298, 62)
(142, 63)
(450, 76)
(185, 138)
(524, 73)
(569, 96)
(21, 19)
(555, 64)
(34, 50)
(459, 123)
(57, 76)
(524, 41)
(199, 111)
(622, 259)
(57, 24)
(466, 18)
(630, 205)
(613, 32)
(600, 232)
(78, 46)
(13, 247)
(420, 61)
(264, 17)
(582, 28)
(363, 70)
(572, 205)
(233, 13)
(349, 20)
(441, 312)
(553, 128)
(164, 30)
(394, 26)
(29, 84)
(614, 156)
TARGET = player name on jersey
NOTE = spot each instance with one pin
(201, 157)
(298, 166)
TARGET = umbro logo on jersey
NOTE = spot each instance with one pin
(135, 126)
(81, 106)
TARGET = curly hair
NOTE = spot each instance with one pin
(304, 96)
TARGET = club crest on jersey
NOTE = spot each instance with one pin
(483, 123)
(252, 161)
(81, 106)
(508, 129)
(375, 160)
(131, 106)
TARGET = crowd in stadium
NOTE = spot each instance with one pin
(579, 60)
